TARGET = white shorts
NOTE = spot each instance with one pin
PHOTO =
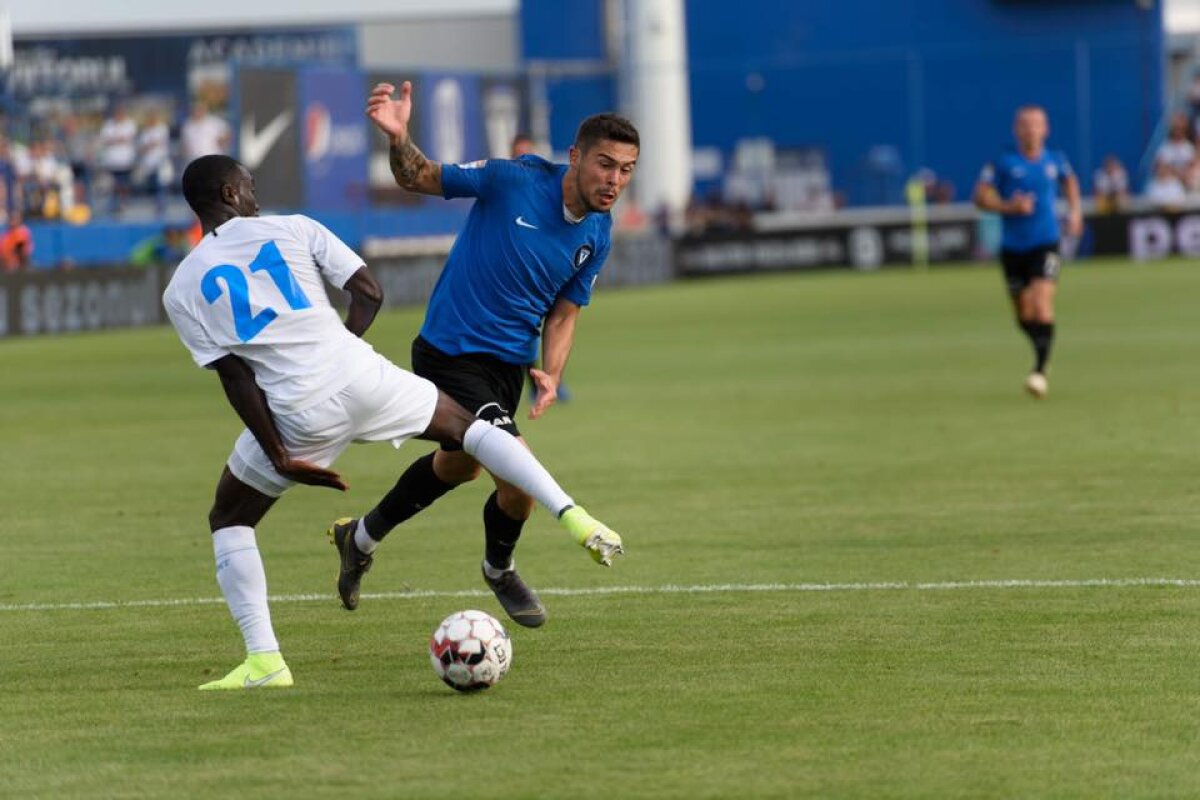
(384, 404)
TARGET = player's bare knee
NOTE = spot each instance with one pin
(237, 504)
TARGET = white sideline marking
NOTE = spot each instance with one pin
(715, 588)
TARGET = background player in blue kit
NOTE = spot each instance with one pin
(1022, 185)
(521, 269)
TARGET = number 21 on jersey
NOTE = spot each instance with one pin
(245, 321)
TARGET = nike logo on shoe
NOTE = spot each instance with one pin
(264, 680)
(523, 224)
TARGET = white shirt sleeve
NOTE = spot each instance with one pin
(194, 336)
(337, 261)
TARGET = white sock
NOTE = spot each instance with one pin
(504, 456)
(243, 581)
(362, 539)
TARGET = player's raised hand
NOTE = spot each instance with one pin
(306, 472)
(547, 392)
(390, 115)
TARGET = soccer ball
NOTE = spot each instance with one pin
(470, 651)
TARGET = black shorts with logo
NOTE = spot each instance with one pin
(1021, 267)
(482, 384)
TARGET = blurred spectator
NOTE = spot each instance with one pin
(1193, 96)
(118, 154)
(1111, 186)
(1166, 190)
(937, 191)
(44, 183)
(522, 144)
(167, 247)
(21, 160)
(202, 134)
(1191, 178)
(16, 245)
(154, 170)
(80, 146)
(629, 217)
(1177, 152)
(9, 186)
(713, 214)
(194, 234)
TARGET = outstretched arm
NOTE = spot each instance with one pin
(558, 334)
(1074, 206)
(411, 169)
(251, 405)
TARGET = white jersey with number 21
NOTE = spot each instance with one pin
(253, 288)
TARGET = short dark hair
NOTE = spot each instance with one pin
(607, 126)
(203, 178)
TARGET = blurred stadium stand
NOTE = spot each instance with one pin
(797, 109)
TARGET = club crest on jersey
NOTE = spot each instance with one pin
(582, 255)
(1051, 171)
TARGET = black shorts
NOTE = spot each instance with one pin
(1021, 267)
(482, 384)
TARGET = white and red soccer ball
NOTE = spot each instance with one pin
(470, 650)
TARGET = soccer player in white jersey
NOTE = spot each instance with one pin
(248, 302)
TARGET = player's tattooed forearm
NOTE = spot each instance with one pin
(407, 162)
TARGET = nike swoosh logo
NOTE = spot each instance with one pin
(521, 222)
(255, 144)
(249, 684)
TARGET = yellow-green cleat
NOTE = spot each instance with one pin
(258, 671)
(601, 542)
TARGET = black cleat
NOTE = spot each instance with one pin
(355, 563)
(518, 600)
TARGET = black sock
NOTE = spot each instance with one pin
(416, 489)
(501, 533)
(1041, 336)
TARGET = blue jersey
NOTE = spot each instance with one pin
(515, 256)
(1012, 173)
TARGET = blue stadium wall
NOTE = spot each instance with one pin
(935, 79)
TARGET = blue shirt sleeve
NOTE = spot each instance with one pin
(579, 289)
(479, 178)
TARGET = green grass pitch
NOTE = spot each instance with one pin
(773, 432)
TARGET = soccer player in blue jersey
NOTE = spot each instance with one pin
(520, 271)
(1022, 186)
